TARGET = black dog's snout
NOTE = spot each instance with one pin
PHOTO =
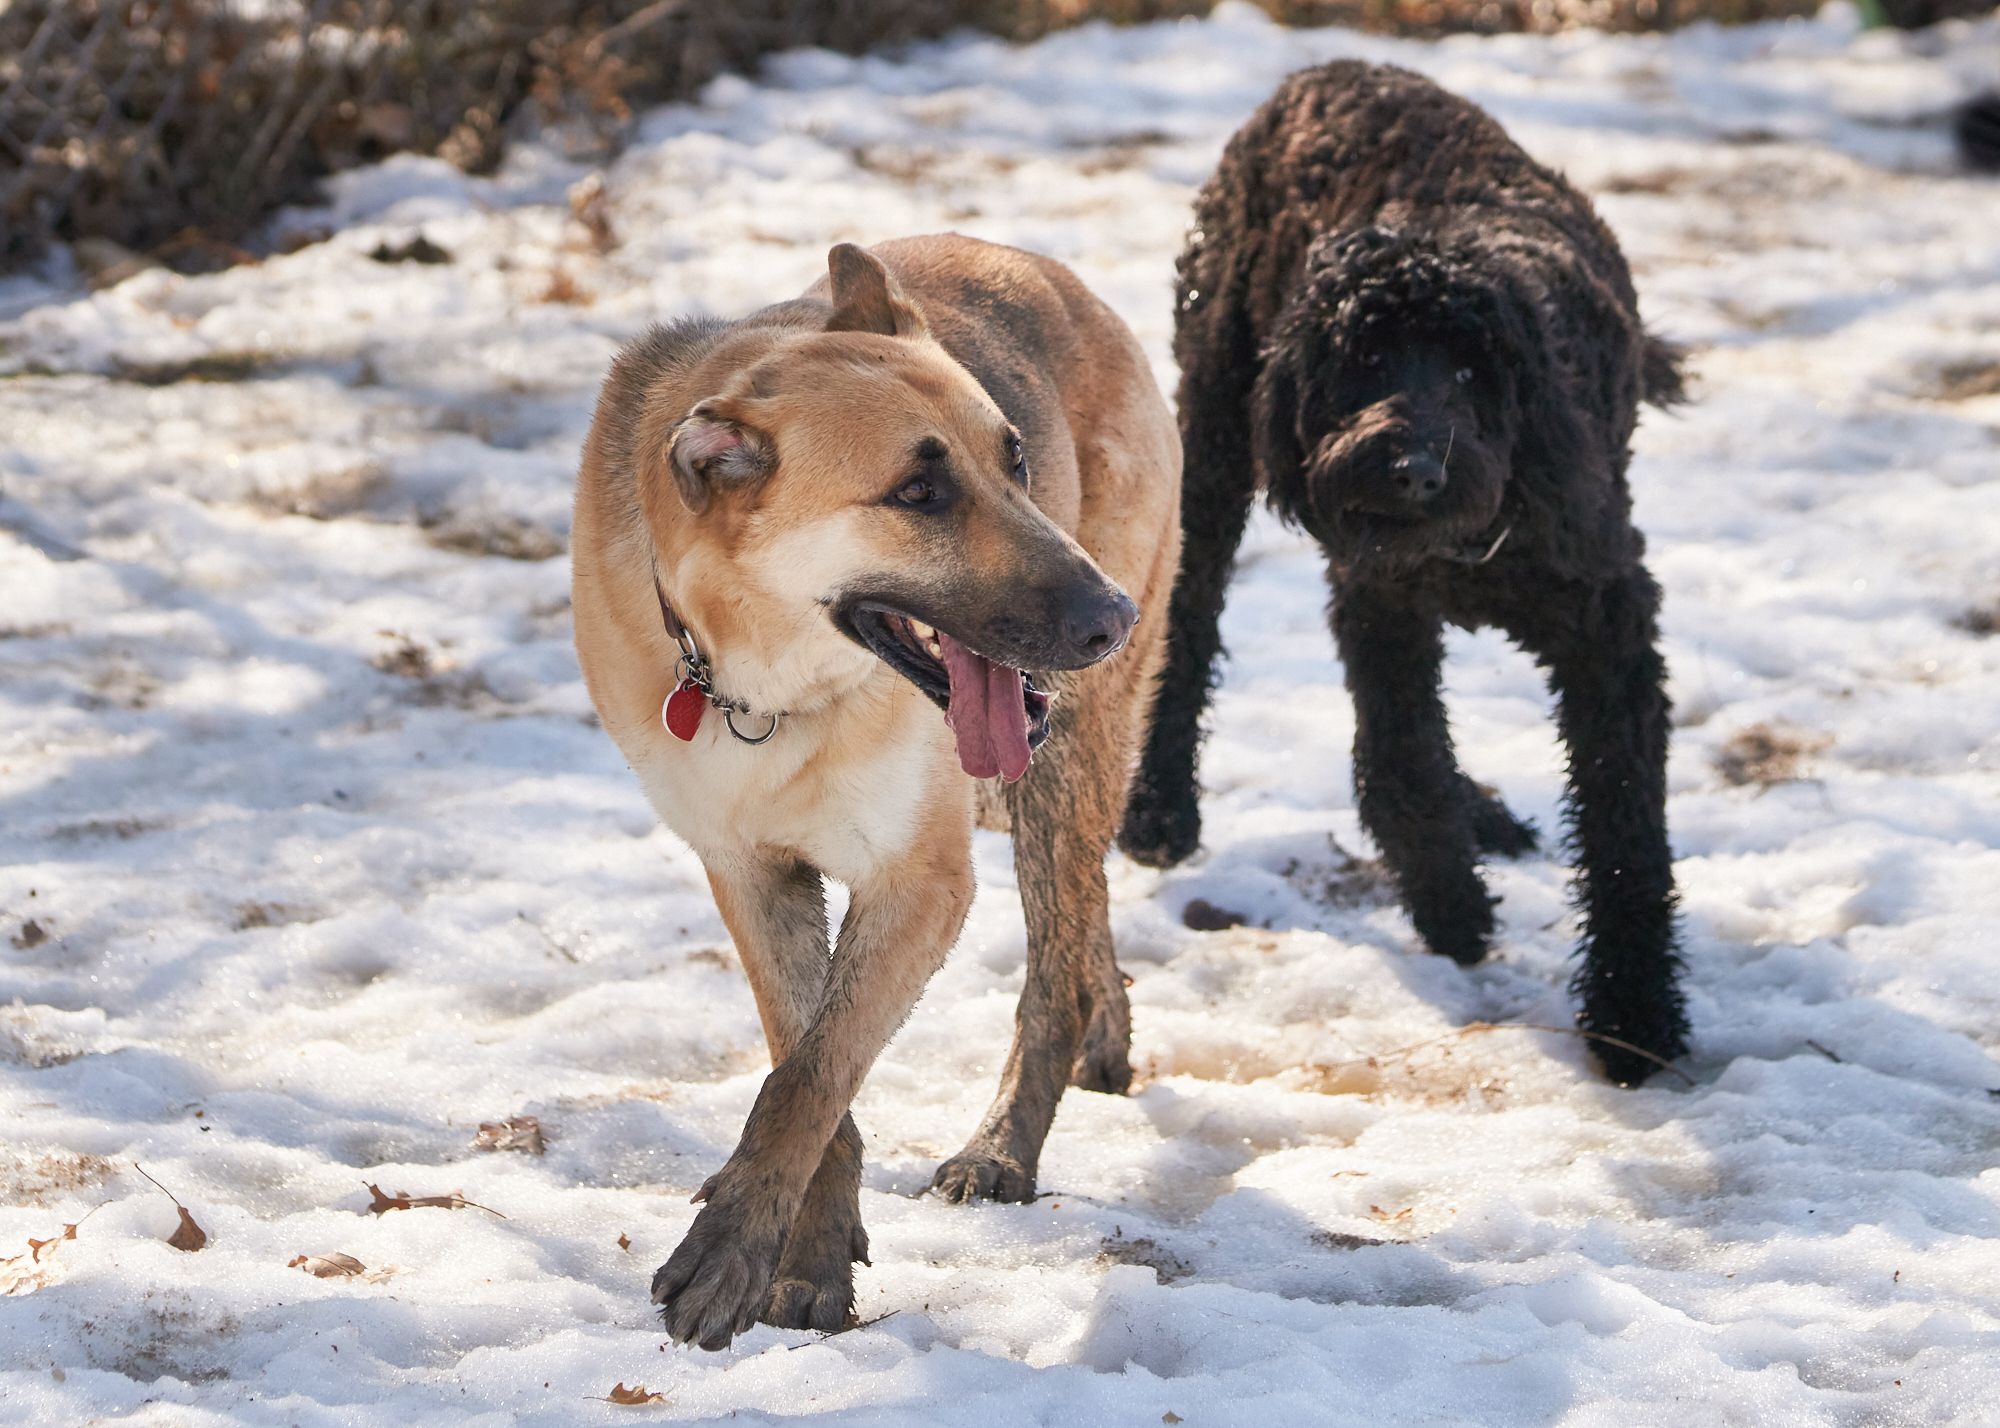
(1418, 476)
(1095, 624)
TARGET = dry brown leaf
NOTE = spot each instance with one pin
(328, 1266)
(189, 1236)
(35, 1246)
(514, 1133)
(625, 1243)
(634, 1396)
(1170, 1417)
(1383, 1215)
(404, 1200)
(23, 1274)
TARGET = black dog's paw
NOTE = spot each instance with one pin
(716, 1282)
(1640, 1044)
(1626, 1067)
(1454, 918)
(978, 1174)
(1495, 829)
(1159, 833)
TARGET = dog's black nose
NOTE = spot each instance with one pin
(1418, 476)
(1096, 623)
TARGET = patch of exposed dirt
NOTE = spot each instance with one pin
(120, 828)
(405, 658)
(1980, 620)
(1149, 1253)
(506, 536)
(1962, 381)
(1769, 754)
(169, 1333)
(272, 914)
(1335, 1240)
(1341, 880)
(37, 1177)
(325, 498)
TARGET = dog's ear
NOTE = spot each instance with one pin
(866, 298)
(717, 448)
(1277, 455)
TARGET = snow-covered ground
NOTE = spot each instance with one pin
(312, 848)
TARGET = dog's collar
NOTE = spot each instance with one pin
(694, 684)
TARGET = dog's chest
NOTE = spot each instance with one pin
(846, 795)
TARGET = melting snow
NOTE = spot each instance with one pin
(315, 860)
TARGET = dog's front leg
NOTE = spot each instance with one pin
(899, 925)
(1406, 780)
(775, 908)
(1609, 678)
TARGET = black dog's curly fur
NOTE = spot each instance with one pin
(1425, 348)
(1976, 126)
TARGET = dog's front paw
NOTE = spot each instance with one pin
(815, 1284)
(802, 1304)
(1641, 1040)
(977, 1174)
(1495, 829)
(716, 1282)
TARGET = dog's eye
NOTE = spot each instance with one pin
(917, 492)
(1019, 458)
(1462, 375)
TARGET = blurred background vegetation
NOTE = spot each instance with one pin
(170, 128)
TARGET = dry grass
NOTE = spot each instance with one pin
(166, 129)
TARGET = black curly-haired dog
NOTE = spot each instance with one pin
(1425, 348)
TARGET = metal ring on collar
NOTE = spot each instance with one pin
(729, 721)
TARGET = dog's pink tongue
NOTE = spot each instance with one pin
(987, 713)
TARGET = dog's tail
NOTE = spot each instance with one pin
(1660, 370)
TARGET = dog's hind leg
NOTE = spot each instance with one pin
(1495, 829)
(1606, 670)
(1162, 823)
(1411, 796)
(1073, 1025)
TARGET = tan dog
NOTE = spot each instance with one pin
(837, 517)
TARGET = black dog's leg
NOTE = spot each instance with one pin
(1606, 670)
(1162, 823)
(1411, 795)
(1495, 829)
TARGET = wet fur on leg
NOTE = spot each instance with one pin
(813, 1286)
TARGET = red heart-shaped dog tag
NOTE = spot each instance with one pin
(683, 710)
